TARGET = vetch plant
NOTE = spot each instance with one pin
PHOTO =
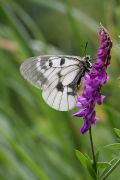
(94, 82)
(91, 97)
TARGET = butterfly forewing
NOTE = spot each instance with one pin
(33, 70)
(57, 76)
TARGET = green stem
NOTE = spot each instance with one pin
(111, 170)
(93, 153)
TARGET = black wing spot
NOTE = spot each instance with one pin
(59, 75)
(50, 63)
(62, 61)
(71, 93)
(60, 87)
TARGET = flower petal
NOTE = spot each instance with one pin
(93, 82)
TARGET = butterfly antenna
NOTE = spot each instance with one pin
(84, 52)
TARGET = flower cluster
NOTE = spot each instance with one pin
(94, 81)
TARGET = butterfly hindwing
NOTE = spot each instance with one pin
(60, 91)
(57, 76)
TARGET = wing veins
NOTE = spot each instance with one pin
(54, 98)
(30, 68)
(67, 98)
(58, 78)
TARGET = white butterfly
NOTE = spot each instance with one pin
(58, 76)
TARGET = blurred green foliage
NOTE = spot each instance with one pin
(37, 142)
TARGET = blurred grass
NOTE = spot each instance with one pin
(37, 142)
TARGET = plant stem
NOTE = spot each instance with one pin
(93, 153)
(111, 170)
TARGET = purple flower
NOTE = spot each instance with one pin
(94, 81)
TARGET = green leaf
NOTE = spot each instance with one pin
(86, 163)
(103, 165)
(114, 146)
(110, 169)
(117, 132)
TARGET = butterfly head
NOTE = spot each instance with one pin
(87, 63)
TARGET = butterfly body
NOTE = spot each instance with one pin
(58, 76)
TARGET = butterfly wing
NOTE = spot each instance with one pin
(57, 76)
(33, 70)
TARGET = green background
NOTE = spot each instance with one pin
(37, 142)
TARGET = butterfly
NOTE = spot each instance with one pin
(58, 77)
